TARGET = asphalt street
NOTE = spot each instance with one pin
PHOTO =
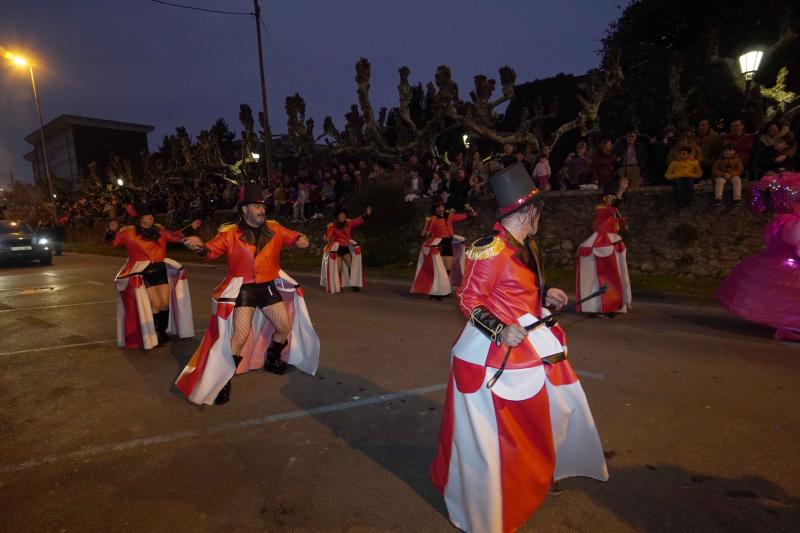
(697, 410)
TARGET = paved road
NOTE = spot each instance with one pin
(697, 410)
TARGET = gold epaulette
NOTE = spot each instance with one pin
(485, 247)
(227, 227)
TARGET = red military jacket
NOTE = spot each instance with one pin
(443, 227)
(334, 233)
(253, 256)
(503, 281)
(607, 219)
(141, 248)
(503, 276)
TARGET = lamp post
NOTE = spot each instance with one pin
(749, 63)
(22, 62)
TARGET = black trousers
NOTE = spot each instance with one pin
(683, 190)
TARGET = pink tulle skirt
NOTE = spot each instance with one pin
(764, 289)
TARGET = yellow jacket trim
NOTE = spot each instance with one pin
(478, 250)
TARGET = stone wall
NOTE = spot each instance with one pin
(697, 242)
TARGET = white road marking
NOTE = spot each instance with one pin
(91, 451)
(76, 345)
(60, 347)
(55, 306)
(590, 375)
(51, 287)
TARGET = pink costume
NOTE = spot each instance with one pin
(765, 288)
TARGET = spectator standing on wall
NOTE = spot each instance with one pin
(542, 172)
(660, 147)
(632, 159)
(603, 162)
(578, 167)
(708, 140)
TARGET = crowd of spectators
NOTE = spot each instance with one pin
(725, 159)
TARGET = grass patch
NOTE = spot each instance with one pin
(648, 285)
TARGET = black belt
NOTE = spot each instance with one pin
(555, 358)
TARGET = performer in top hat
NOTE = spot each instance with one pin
(341, 249)
(501, 448)
(238, 337)
(601, 258)
(441, 254)
(152, 290)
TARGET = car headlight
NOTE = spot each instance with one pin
(43, 241)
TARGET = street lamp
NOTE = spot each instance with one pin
(255, 155)
(120, 182)
(22, 62)
(749, 63)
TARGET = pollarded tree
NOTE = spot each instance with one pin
(414, 126)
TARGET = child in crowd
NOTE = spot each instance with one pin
(541, 172)
(682, 172)
(727, 168)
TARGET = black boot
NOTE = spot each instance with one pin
(274, 364)
(225, 393)
(161, 320)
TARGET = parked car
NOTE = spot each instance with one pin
(18, 242)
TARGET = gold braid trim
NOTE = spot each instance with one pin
(478, 250)
(226, 227)
(494, 333)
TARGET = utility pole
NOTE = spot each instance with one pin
(267, 159)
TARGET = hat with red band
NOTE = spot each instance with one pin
(513, 188)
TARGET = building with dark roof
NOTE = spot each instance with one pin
(74, 142)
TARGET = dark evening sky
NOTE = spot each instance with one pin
(139, 61)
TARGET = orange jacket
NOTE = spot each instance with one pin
(244, 260)
(334, 233)
(607, 219)
(443, 227)
(141, 249)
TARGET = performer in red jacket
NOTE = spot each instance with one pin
(602, 258)
(148, 271)
(339, 248)
(437, 257)
(234, 338)
(502, 444)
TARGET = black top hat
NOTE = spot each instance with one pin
(143, 208)
(250, 192)
(514, 189)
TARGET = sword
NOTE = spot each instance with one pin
(549, 321)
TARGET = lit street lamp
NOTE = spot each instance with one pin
(255, 155)
(749, 63)
(22, 62)
(120, 182)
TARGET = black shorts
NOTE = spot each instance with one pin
(343, 251)
(155, 274)
(258, 295)
(446, 247)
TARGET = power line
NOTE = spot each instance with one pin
(203, 9)
(278, 51)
